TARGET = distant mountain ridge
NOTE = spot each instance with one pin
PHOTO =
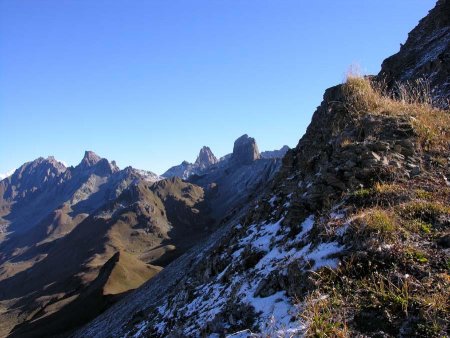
(245, 151)
(117, 219)
(47, 208)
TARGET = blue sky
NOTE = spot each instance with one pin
(147, 83)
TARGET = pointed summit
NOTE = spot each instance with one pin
(90, 159)
(245, 150)
(92, 163)
(205, 158)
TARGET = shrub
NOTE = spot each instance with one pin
(423, 194)
(386, 188)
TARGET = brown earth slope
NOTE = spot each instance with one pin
(103, 213)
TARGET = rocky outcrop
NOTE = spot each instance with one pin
(340, 152)
(245, 150)
(235, 179)
(425, 54)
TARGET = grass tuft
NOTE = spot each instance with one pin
(380, 222)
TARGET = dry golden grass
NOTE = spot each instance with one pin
(413, 100)
(375, 222)
(387, 188)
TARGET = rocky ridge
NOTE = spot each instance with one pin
(245, 151)
(425, 55)
(275, 153)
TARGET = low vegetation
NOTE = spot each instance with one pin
(394, 277)
(414, 100)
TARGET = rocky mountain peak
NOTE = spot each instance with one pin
(35, 174)
(245, 150)
(90, 159)
(41, 167)
(205, 158)
(93, 163)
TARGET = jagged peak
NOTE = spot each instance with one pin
(34, 174)
(41, 162)
(100, 165)
(205, 158)
(90, 158)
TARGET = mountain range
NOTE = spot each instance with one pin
(349, 238)
(347, 234)
(84, 236)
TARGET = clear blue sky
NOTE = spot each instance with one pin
(147, 83)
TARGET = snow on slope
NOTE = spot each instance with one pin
(262, 251)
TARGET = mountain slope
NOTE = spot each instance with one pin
(276, 261)
(350, 238)
(63, 224)
(425, 55)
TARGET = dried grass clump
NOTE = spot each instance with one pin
(414, 100)
(377, 222)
